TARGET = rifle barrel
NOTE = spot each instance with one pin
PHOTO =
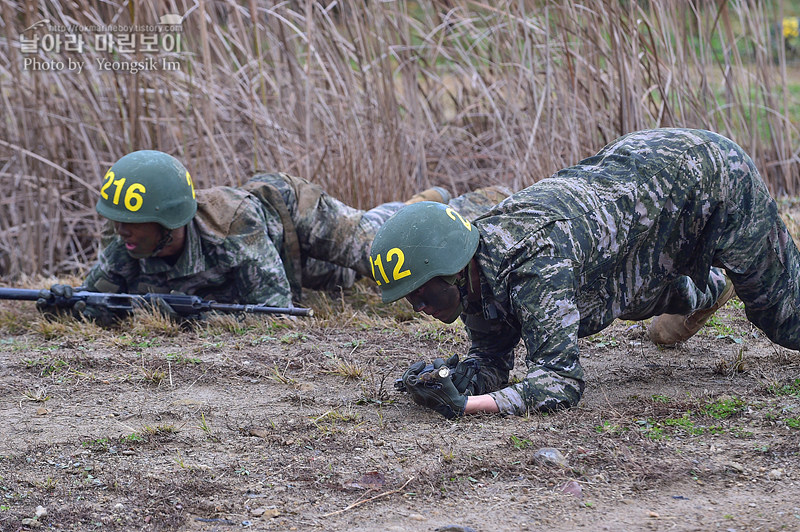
(19, 294)
(261, 309)
(124, 301)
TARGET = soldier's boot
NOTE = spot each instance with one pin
(437, 194)
(495, 194)
(669, 329)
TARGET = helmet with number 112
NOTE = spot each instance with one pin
(418, 243)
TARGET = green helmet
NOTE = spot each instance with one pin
(148, 186)
(417, 243)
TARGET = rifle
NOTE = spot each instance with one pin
(183, 305)
(462, 374)
(428, 376)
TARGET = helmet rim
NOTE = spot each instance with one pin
(433, 240)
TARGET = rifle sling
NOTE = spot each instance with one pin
(290, 252)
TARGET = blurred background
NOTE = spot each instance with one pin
(374, 100)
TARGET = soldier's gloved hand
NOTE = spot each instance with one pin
(46, 304)
(440, 396)
(164, 308)
(100, 315)
(462, 373)
(48, 298)
(413, 369)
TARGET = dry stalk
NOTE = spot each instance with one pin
(375, 101)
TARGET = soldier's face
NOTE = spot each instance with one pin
(437, 298)
(140, 239)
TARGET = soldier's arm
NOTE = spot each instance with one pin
(112, 271)
(543, 298)
(492, 344)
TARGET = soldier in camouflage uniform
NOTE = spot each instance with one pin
(257, 244)
(650, 226)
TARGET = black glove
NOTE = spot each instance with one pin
(414, 369)
(162, 307)
(462, 373)
(47, 302)
(49, 299)
(438, 394)
(99, 315)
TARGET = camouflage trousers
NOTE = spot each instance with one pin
(683, 296)
(335, 239)
(756, 252)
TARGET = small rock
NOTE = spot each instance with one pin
(41, 511)
(775, 474)
(42, 411)
(572, 488)
(417, 517)
(257, 512)
(119, 507)
(736, 466)
(271, 513)
(550, 455)
(654, 515)
(259, 432)
(31, 522)
(454, 528)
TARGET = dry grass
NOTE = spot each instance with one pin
(375, 100)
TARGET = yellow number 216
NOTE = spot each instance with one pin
(133, 195)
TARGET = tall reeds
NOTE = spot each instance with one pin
(373, 100)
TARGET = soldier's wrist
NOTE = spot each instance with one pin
(481, 403)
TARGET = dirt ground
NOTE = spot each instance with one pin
(294, 424)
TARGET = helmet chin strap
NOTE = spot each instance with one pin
(464, 284)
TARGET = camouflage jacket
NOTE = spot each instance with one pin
(564, 257)
(232, 254)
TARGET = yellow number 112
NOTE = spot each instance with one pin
(397, 272)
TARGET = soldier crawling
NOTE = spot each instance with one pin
(256, 244)
(663, 223)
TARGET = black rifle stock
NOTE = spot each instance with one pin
(184, 305)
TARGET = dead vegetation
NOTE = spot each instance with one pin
(374, 100)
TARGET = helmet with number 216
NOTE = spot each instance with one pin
(417, 243)
(148, 186)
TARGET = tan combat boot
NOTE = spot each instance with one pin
(495, 194)
(437, 194)
(669, 329)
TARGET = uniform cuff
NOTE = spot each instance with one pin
(507, 399)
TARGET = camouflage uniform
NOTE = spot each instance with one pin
(638, 230)
(260, 243)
